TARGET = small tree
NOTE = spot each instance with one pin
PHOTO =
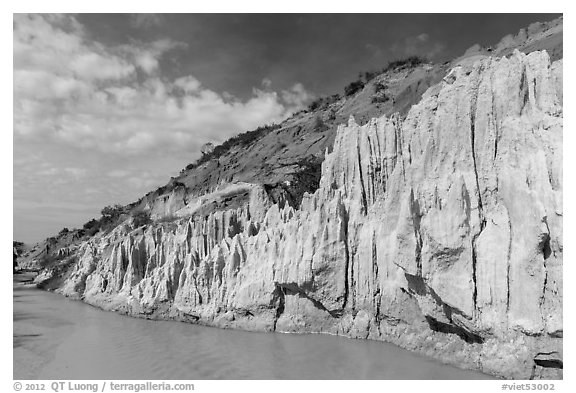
(353, 88)
(112, 212)
(411, 61)
(207, 148)
(315, 104)
(90, 224)
(91, 227)
(380, 86)
(380, 98)
(319, 125)
(332, 115)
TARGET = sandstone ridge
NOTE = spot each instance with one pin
(440, 231)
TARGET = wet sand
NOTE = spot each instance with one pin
(59, 338)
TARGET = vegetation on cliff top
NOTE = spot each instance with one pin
(242, 139)
(320, 103)
(308, 174)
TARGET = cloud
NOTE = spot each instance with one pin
(436, 49)
(420, 45)
(422, 37)
(98, 124)
(266, 83)
(118, 173)
(100, 67)
(188, 84)
(114, 99)
(146, 55)
(297, 96)
(146, 21)
(374, 50)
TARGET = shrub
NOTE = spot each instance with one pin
(91, 227)
(319, 125)
(332, 115)
(242, 139)
(353, 88)
(172, 185)
(323, 102)
(111, 215)
(178, 184)
(207, 148)
(332, 99)
(380, 86)
(315, 104)
(380, 98)
(140, 218)
(92, 231)
(307, 179)
(297, 113)
(112, 212)
(380, 90)
(90, 224)
(368, 75)
(407, 62)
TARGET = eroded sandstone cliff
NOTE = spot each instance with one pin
(440, 232)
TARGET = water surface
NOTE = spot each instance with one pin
(58, 338)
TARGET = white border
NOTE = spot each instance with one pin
(358, 6)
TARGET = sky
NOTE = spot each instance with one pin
(109, 106)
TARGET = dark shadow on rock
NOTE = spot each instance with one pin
(549, 360)
(464, 334)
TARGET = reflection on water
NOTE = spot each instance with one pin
(58, 338)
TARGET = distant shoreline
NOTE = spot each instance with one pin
(24, 276)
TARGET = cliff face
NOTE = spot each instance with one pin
(441, 232)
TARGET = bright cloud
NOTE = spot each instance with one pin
(297, 96)
(91, 96)
(96, 124)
